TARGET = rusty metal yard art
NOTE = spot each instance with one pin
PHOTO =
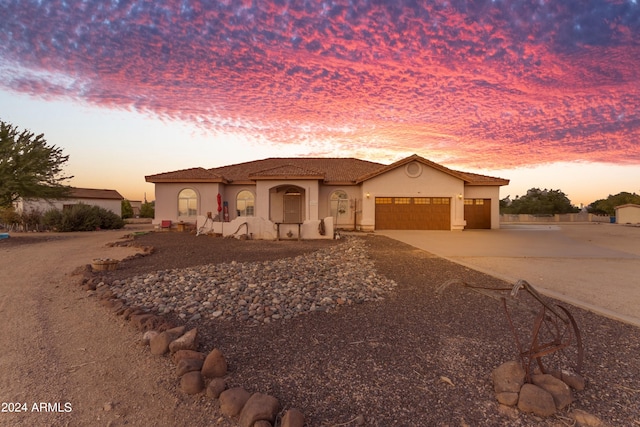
(554, 341)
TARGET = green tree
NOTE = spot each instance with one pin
(29, 167)
(148, 210)
(608, 206)
(539, 202)
(127, 209)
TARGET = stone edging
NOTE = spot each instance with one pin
(544, 396)
(197, 372)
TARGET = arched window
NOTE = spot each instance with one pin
(245, 203)
(187, 203)
(339, 204)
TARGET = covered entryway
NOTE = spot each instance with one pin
(413, 213)
(477, 213)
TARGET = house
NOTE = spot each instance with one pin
(301, 197)
(107, 199)
(628, 214)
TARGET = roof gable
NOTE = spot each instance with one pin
(408, 160)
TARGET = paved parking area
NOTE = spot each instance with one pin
(594, 266)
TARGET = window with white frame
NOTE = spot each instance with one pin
(339, 204)
(245, 203)
(187, 203)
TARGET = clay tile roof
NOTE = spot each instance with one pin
(289, 171)
(186, 175)
(333, 170)
(477, 179)
(93, 193)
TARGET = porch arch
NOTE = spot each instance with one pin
(287, 204)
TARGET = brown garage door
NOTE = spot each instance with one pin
(477, 213)
(413, 213)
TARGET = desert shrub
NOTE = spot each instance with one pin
(83, 217)
(80, 217)
(31, 220)
(52, 219)
(110, 220)
(9, 218)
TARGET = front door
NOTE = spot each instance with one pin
(293, 206)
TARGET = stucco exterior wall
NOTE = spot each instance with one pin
(628, 214)
(486, 192)
(167, 201)
(397, 183)
(354, 203)
(230, 193)
(270, 203)
(261, 228)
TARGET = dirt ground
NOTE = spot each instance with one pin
(385, 360)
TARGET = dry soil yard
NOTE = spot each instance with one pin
(381, 359)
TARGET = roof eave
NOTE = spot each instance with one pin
(184, 180)
(480, 183)
(340, 182)
(287, 177)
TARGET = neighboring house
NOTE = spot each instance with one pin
(628, 214)
(284, 195)
(107, 199)
(136, 206)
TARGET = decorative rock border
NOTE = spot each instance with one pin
(200, 373)
(197, 372)
(544, 396)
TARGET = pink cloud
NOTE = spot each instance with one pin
(493, 85)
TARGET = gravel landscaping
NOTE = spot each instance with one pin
(261, 291)
(354, 329)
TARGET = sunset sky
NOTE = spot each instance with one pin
(545, 93)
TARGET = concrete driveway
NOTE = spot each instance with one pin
(593, 266)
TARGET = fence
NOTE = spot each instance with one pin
(571, 217)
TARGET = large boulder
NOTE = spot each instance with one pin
(192, 382)
(187, 354)
(293, 418)
(160, 343)
(216, 387)
(508, 377)
(214, 365)
(233, 400)
(188, 365)
(536, 400)
(573, 380)
(560, 391)
(188, 341)
(259, 407)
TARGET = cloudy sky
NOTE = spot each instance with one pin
(546, 93)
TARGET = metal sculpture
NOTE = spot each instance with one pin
(554, 334)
